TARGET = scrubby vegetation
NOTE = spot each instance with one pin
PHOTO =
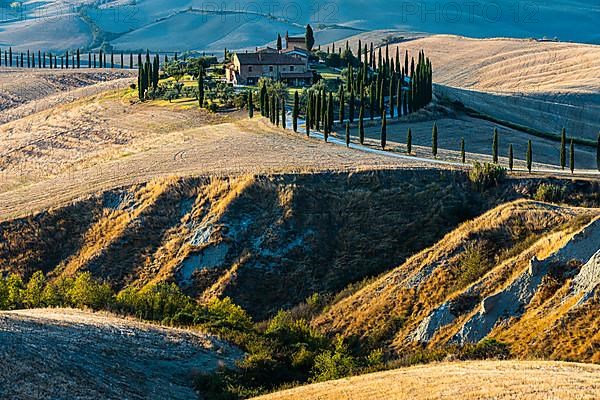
(281, 352)
(486, 175)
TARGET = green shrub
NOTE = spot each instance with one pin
(333, 364)
(486, 175)
(550, 193)
(485, 349)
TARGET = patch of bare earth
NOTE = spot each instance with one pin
(70, 354)
(534, 380)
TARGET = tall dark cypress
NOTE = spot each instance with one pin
(399, 98)
(283, 114)
(383, 130)
(307, 117)
(347, 134)
(250, 105)
(529, 156)
(78, 59)
(434, 140)
(264, 110)
(361, 124)
(495, 147)
(391, 95)
(342, 105)
(67, 58)
(156, 71)
(563, 148)
(409, 141)
(463, 155)
(351, 106)
(510, 157)
(572, 156)
(296, 111)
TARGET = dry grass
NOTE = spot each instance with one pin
(534, 380)
(67, 354)
(392, 307)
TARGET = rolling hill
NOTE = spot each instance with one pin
(187, 25)
(470, 381)
(525, 273)
(66, 354)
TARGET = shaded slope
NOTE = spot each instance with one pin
(267, 241)
(66, 354)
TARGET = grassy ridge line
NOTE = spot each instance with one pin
(534, 132)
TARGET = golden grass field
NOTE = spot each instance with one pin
(476, 380)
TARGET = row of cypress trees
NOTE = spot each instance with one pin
(73, 60)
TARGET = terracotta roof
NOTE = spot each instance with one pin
(268, 59)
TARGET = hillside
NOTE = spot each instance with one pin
(66, 354)
(510, 274)
(268, 242)
(185, 25)
(480, 380)
(542, 85)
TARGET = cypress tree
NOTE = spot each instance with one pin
(123, 60)
(250, 105)
(141, 83)
(296, 111)
(307, 119)
(572, 156)
(28, 59)
(351, 106)
(510, 157)
(383, 130)
(347, 134)
(434, 140)
(463, 155)
(391, 96)
(529, 156)
(309, 38)
(495, 147)
(563, 148)
(361, 125)
(201, 87)
(372, 101)
(67, 57)
(318, 110)
(598, 152)
(156, 72)
(330, 114)
(10, 57)
(277, 110)
(279, 44)
(264, 110)
(409, 141)
(342, 105)
(283, 114)
(399, 97)
(78, 59)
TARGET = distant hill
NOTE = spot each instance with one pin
(188, 25)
